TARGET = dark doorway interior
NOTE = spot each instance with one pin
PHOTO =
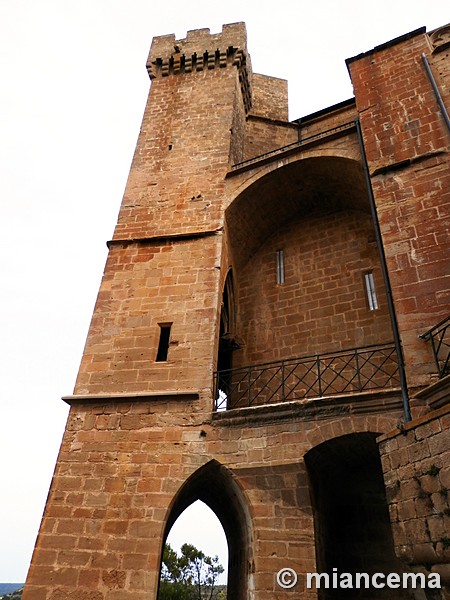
(353, 532)
(227, 339)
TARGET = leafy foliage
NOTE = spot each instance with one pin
(15, 595)
(189, 576)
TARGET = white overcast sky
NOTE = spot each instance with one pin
(73, 86)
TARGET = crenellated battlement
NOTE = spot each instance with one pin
(201, 51)
(199, 41)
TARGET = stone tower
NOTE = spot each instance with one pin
(257, 330)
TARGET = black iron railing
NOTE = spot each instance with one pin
(330, 374)
(439, 336)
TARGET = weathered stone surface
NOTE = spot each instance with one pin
(420, 516)
(191, 281)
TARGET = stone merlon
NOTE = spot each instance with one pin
(199, 42)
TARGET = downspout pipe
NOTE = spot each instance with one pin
(436, 91)
(384, 270)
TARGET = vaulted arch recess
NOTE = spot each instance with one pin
(311, 219)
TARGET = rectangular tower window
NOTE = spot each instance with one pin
(164, 339)
(280, 267)
(370, 290)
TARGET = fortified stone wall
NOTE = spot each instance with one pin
(121, 467)
(270, 98)
(162, 269)
(146, 286)
(264, 135)
(406, 142)
(144, 439)
(327, 119)
(267, 126)
(416, 465)
(198, 83)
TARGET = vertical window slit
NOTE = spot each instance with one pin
(164, 339)
(370, 290)
(280, 266)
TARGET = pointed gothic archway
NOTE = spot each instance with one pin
(214, 485)
(227, 339)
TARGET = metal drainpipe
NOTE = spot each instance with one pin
(384, 270)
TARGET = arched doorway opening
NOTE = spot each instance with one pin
(199, 529)
(228, 342)
(351, 520)
(215, 486)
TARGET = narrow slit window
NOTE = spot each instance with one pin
(280, 267)
(370, 290)
(164, 339)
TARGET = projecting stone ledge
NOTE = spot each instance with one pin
(133, 397)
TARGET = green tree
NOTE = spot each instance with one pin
(189, 576)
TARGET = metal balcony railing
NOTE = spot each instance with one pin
(344, 372)
(439, 336)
